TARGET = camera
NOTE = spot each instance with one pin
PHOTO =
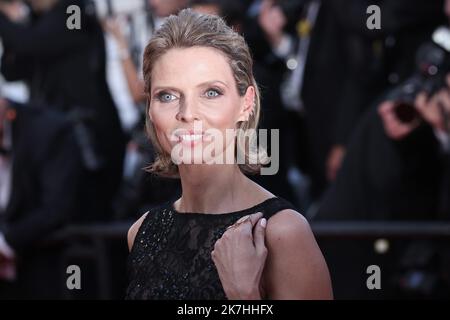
(109, 8)
(433, 64)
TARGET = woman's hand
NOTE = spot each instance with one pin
(240, 255)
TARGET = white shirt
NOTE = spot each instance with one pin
(5, 169)
(5, 186)
(135, 27)
(444, 140)
(5, 182)
(284, 48)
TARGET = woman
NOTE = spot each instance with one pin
(226, 237)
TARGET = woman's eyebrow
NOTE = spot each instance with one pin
(204, 84)
(164, 88)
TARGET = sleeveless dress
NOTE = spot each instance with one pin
(171, 255)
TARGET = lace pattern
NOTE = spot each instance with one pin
(171, 255)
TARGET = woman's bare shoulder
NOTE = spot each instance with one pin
(294, 260)
(287, 220)
(132, 232)
(288, 226)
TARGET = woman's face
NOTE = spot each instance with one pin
(193, 101)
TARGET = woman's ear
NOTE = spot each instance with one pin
(247, 104)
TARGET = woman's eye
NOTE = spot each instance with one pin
(211, 93)
(165, 97)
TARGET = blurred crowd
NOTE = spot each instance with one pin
(363, 113)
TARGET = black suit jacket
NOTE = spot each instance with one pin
(65, 69)
(383, 179)
(45, 179)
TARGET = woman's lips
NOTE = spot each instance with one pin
(190, 138)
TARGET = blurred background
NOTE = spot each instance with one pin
(363, 115)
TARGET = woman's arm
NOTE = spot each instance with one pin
(132, 232)
(295, 267)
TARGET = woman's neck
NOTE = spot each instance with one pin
(212, 188)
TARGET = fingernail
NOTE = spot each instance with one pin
(263, 222)
(242, 219)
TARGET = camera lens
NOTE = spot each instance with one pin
(406, 112)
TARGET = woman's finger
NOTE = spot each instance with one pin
(259, 234)
(255, 217)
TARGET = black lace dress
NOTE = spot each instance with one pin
(171, 255)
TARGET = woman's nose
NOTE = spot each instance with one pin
(187, 112)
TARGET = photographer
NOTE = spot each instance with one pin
(65, 70)
(399, 152)
(377, 58)
(394, 170)
(432, 111)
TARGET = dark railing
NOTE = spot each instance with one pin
(388, 229)
(90, 241)
(360, 229)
